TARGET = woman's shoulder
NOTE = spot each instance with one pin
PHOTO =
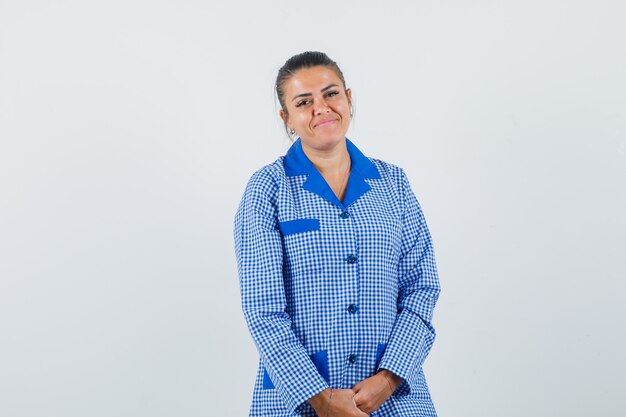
(267, 179)
(388, 170)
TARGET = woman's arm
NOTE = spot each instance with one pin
(413, 334)
(258, 249)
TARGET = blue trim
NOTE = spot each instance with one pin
(267, 382)
(290, 227)
(297, 163)
(356, 188)
(361, 163)
(319, 359)
(380, 350)
(318, 185)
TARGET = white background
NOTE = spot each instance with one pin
(128, 130)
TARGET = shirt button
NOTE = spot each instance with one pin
(352, 358)
(344, 215)
(352, 308)
(351, 259)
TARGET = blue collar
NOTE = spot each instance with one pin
(297, 163)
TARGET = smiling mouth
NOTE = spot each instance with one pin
(325, 123)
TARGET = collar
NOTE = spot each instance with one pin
(297, 163)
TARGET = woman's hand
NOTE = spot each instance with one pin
(336, 403)
(372, 392)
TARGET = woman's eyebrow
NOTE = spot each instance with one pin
(328, 87)
(309, 94)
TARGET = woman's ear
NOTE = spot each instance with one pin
(349, 95)
(283, 116)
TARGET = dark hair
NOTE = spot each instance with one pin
(301, 61)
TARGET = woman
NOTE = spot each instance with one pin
(336, 266)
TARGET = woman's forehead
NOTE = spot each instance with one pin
(310, 80)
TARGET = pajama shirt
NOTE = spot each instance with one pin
(334, 291)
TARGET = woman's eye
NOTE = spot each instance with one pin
(332, 93)
(303, 103)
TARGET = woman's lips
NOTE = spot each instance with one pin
(325, 122)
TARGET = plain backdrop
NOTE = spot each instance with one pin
(128, 130)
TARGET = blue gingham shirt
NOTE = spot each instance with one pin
(333, 291)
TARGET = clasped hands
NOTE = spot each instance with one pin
(361, 400)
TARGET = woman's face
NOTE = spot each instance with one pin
(318, 107)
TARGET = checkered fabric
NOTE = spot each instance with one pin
(333, 291)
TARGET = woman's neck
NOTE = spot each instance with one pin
(331, 162)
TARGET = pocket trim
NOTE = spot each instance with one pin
(319, 359)
(290, 227)
(380, 350)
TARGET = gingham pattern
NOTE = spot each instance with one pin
(345, 297)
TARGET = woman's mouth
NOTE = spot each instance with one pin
(325, 122)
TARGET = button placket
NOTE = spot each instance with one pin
(351, 278)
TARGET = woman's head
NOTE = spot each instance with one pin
(315, 102)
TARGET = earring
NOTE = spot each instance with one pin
(351, 112)
(292, 132)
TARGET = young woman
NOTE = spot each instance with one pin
(336, 265)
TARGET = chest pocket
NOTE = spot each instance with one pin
(291, 227)
(302, 245)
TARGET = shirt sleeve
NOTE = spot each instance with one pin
(413, 334)
(258, 248)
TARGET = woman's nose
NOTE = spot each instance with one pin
(321, 107)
